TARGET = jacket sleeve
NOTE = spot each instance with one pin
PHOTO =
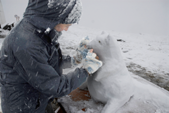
(34, 68)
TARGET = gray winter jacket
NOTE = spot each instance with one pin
(31, 63)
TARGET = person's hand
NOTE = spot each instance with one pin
(83, 44)
(81, 51)
(91, 64)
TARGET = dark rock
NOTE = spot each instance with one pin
(120, 40)
(8, 26)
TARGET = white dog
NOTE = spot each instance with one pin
(113, 85)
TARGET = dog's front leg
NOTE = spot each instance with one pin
(113, 105)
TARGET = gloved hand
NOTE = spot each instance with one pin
(81, 51)
(91, 64)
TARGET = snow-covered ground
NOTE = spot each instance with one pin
(145, 55)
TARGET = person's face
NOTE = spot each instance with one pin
(61, 27)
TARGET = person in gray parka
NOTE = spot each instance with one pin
(31, 60)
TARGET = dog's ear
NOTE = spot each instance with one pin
(108, 40)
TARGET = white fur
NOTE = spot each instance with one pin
(113, 85)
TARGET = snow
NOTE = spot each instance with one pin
(53, 3)
(144, 55)
(112, 84)
(3, 33)
(140, 58)
(75, 107)
(148, 51)
(75, 13)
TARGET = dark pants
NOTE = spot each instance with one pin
(49, 108)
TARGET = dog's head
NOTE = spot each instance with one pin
(105, 46)
(108, 51)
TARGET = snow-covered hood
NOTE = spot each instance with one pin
(46, 14)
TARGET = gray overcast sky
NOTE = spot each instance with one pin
(140, 16)
(144, 16)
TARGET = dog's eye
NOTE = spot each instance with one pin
(100, 42)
